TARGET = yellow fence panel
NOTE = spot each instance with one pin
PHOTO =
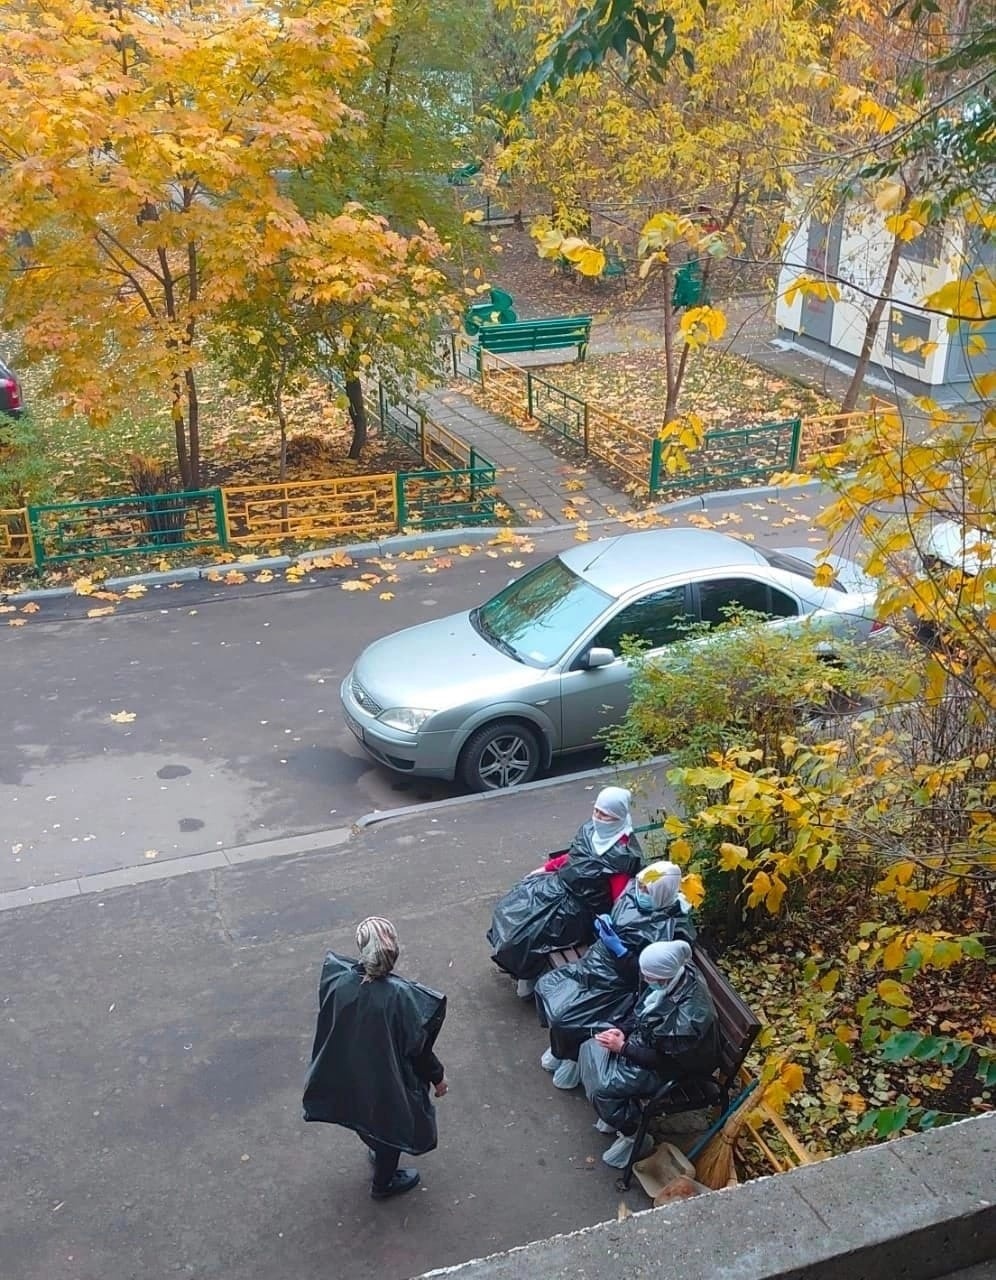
(16, 543)
(623, 447)
(442, 449)
(829, 430)
(506, 383)
(311, 508)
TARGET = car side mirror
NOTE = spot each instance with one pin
(598, 658)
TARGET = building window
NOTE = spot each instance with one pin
(907, 333)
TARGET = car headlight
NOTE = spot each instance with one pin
(407, 719)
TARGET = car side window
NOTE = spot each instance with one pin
(718, 597)
(655, 620)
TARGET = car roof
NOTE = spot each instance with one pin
(616, 565)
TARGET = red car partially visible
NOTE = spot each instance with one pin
(11, 400)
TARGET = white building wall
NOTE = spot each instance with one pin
(864, 252)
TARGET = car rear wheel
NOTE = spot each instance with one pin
(505, 754)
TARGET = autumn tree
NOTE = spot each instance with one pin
(691, 157)
(383, 317)
(141, 150)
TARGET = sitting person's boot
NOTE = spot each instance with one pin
(603, 1126)
(524, 988)
(403, 1180)
(567, 1075)
(618, 1155)
(549, 1061)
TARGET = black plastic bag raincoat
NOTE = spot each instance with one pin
(679, 1025)
(362, 1074)
(557, 909)
(599, 991)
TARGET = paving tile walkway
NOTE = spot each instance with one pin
(532, 479)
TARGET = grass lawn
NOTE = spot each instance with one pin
(723, 389)
(239, 443)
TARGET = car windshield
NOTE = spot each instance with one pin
(536, 618)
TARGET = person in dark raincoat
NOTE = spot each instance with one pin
(373, 1060)
(599, 990)
(555, 906)
(671, 1032)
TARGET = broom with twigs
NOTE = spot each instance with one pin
(714, 1167)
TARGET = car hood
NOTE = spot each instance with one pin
(437, 665)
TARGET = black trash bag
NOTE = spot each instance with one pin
(556, 909)
(361, 1073)
(599, 991)
(613, 1085)
(679, 1025)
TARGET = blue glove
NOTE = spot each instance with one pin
(608, 935)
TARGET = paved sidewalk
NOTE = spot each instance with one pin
(532, 479)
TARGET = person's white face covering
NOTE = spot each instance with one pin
(610, 817)
(663, 963)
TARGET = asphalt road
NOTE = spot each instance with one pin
(233, 732)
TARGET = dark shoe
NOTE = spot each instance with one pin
(404, 1180)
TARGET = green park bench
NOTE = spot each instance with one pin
(536, 335)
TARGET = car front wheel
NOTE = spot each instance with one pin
(500, 755)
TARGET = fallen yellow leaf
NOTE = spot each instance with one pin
(386, 595)
(16, 622)
(30, 607)
(101, 612)
(123, 717)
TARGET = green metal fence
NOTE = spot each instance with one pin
(434, 499)
(557, 409)
(731, 456)
(164, 522)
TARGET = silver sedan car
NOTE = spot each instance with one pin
(491, 696)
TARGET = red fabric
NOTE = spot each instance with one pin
(617, 884)
(556, 862)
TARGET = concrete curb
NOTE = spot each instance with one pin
(432, 806)
(212, 859)
(397, 543)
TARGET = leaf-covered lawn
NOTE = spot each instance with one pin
(724, 390)
(239, 443)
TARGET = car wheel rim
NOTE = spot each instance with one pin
(505, 761)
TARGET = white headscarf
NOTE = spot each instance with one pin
(662, 880)
(665, 962)
(614, 800)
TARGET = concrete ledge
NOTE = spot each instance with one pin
(918, 1208)
(184, 865)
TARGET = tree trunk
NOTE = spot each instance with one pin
(180, 431)
(281, 412)
(357, 416)
(193, 430)
(871, 328)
